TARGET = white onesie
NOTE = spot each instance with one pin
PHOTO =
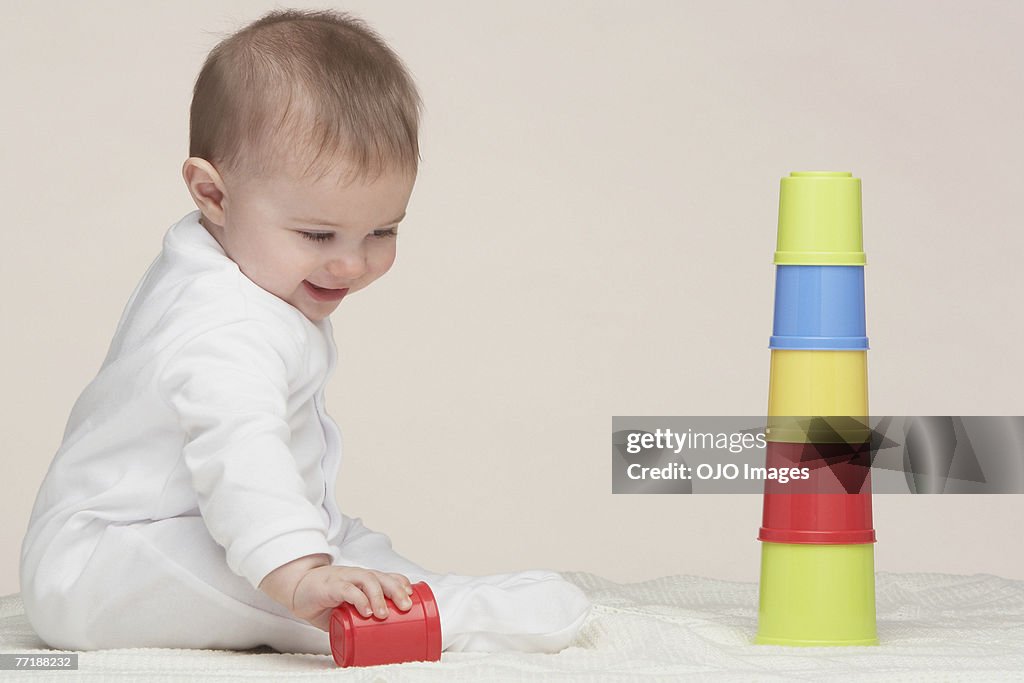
(200, 459)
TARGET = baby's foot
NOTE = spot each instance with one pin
(530, 611)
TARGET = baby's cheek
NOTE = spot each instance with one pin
(384, 260)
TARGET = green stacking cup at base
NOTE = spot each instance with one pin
(817, 595)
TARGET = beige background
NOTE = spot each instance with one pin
(591, 235)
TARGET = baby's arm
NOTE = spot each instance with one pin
(229, 388)
(310, 587)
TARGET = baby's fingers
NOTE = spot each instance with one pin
(341, 590)
(398, 589)
(378, 584)
(371, 585)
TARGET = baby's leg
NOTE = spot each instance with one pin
(529, 611)
(167, 584)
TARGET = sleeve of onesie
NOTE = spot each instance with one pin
(229, 389)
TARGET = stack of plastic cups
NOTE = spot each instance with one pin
(817, 563)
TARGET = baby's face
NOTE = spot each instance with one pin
(292, 236)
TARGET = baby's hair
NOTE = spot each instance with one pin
(305, 87)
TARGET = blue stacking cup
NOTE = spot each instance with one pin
(819, 308)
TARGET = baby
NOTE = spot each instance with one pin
(191, 503)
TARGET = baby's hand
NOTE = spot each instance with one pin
(321, 589)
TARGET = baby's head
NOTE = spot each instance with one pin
(303, 153)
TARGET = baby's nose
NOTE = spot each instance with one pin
(347, 266)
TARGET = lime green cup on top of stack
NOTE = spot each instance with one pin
(820, 220)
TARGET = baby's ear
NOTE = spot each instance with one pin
(206, 186)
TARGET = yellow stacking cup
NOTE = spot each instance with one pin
(815, 383)
(817, 595)
(818, 383)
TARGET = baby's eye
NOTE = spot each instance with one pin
(384, 233)
(317, 236)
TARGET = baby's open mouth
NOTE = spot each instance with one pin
(324, 294)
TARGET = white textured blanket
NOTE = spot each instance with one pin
(932, 627)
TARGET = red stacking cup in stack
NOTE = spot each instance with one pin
(833, 505)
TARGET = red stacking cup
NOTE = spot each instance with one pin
(832, 506)
(411, 636)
